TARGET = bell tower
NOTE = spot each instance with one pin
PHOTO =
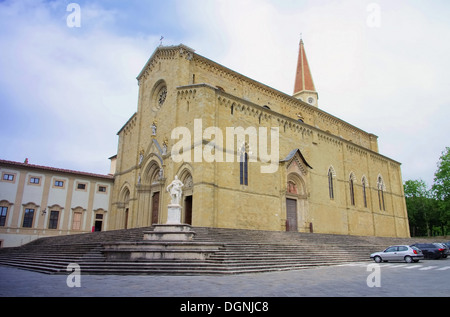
(304, 86)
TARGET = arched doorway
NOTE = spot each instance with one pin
(124, 203)
(188, 194)
(295, 200)
(150, 194)
(188, 210)
(291, 206)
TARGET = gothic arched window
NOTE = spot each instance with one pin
(352, 191)
(364, 189)
(330, 183)
(244, 169)
(380, 186)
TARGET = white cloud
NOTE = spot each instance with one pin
(79, 84)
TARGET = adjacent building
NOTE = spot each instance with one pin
(38, 201)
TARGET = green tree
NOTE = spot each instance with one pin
(441, 190)
(420, 207)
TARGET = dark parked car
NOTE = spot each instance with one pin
(429, 250)
(444, 248)
(447, 244)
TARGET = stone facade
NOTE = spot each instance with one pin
(329, 177)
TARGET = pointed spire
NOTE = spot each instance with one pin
(304, 85)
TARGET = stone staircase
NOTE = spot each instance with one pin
(241, 251)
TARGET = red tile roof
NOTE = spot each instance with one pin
(53, 169)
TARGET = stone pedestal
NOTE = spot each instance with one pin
(164, 242)
(149, 251)
(173, 214)
(170, 232)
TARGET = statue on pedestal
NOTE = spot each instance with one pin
(154, 127)
(175, 191)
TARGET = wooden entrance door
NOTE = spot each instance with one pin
(291, 215)
(155, 207)
(188, 210)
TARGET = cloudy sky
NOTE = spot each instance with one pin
(380, 65)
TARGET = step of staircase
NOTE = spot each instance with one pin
(242, 251)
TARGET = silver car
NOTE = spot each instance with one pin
(398, 253)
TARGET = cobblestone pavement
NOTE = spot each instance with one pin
(426, 278)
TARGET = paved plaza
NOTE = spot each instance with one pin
(426, 278)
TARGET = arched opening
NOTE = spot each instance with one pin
(331, 175)
(295, 198)
(243, 169)
(351, 183)
(152, 186)
(124, 200)
(188, 194)
(381, 187)
(158, 95)
(364, 190)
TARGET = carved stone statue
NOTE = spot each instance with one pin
(175, 190)
(164, 148)
(154, 127)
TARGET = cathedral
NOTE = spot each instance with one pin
(248, 156)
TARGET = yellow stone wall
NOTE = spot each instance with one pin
(198, 88)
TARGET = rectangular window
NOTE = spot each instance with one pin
(8, 177)
(3, 213)
(53, 223)
(81, 186)
(59, 183)
(35, 180)
(28, 218)
(102, 189)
